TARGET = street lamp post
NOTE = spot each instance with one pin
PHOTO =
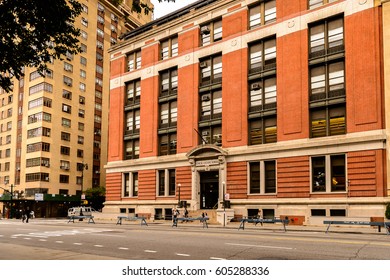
(224, 210)
(84, 166)
(179, 202)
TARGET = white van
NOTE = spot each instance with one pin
(81, 211)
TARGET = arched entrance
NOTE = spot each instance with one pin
(208, 173)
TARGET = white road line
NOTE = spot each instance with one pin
(150, 251)
(99, 246)
(183, 255)
(43, 240)
(259, 246)
(27, 238)
(79, 244)
(215, 258)
(58, 241)
(123, 248)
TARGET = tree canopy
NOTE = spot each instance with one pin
(34, 32)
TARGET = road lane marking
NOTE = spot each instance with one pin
(182, 255)
(59, 241)
(79, 244)
(43, 240)
(215, 258)
(123, 248)
(150, 251)
(99, 246)
(259, 246)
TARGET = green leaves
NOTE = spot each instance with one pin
(32, 32)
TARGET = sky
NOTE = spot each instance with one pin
(163, 8)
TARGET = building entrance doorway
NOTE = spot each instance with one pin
(209, 189)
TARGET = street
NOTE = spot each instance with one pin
(59, 240)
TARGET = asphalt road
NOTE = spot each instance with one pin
(59, 240)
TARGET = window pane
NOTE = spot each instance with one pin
(335, 33)
(318, 123)
(336, 78)
(172, 182)
(317, 79)
(270, 176)
(161, 184)
(270, 12)
(317, 39)
(255, 56)
(338, 172)
(337, 121)
(254, 186)
(270, 91)
(255, 133)
(254, 17)
(318, 173)
(218, 30)
(270, 130)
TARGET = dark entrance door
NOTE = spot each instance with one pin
(209, 189)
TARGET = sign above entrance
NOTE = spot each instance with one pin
(207, 162)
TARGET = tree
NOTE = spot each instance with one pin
(96, 197)
(33, 32)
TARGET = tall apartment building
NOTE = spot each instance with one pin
(48, 169)
(236, 106)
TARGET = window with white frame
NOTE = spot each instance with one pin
(328, 173)
(262, 177)
(166, 182)
(130, 184)
(262, 13)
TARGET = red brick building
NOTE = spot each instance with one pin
(272, 105)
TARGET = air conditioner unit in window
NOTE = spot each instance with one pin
(203, 64)
(255, 86)
(205, 133)
(205, 98)
(205, 30)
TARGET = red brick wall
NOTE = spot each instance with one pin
(147, 184)
(184, 177)
(116, 124)
(113, 186)
(293, 177)
(235, 23)
(236, 181)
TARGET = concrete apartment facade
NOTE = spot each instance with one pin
(230, 107)
(48, 169)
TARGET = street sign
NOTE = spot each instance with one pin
(39, 197)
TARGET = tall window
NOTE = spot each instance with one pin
(166, 182)
(134, 61)
(328, 173)
(211, 105)
(211, 70)
(262, 95)
(327, 78)
(262, 55)
(326, 37)
(168, 82)
(211, 135)
(262, 177)
(262, 130)
(168, 144)
(130, 184)
(169, 48)
(168, 114)
(132, 149)
(262, 13)
(211, 32)
(318, 3)
(132, 122)
(133, 92)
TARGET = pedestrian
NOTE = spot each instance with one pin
(259, 217)
(26, 214)
(186, 213)
(32, 214)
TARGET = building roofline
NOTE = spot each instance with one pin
(167, 18)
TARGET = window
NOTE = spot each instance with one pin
(67, 94)
(328, 173)
(317, 3)
(65, 136)
(40, 146)
(327, 81)
(328, 121)
(211, 70)
(83, 74)
(166, 182)
(134, 61)
(262, 130)
(64, 165)
(211, 105)
(130, 184)
(42, 101)
(64, 179)
(39, 131)
(66, 108)
(169, 48)
(131, 149)
(68, 67)
(65, 150)
(80, 139)
(66, 122)
(41, 116)
(132, 122)
(211, 135)
(83, 61)
(261, 14)
(133, 92)
(80, 153)
(326, 37)
(211, 32)
(168, 114)
(35, 177)
(41, 87)
(262, 94)
(168, 82)
(262, 56)
(168, 144)
(262, 177)
(81, 113)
